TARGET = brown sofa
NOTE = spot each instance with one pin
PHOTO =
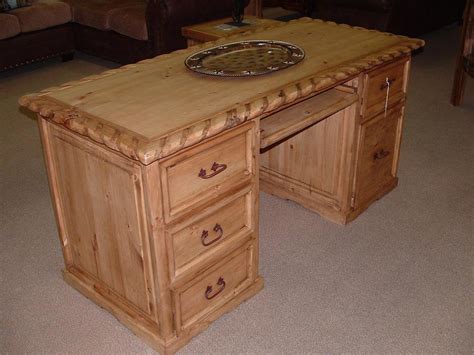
(126, 31)
(35, 32)
(123, 31)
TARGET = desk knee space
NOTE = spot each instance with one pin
(337, 152)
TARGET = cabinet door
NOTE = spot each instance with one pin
(378, 151)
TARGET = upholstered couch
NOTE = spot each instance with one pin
(123, 31)
(126, 31)
(35, 32)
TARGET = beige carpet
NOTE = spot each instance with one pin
(397, 280)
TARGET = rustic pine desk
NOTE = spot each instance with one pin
(154, 170)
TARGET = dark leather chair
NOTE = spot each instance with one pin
(406, 17)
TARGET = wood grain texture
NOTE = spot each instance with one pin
(376, 87)
(378, 154)
(121, 252)
(184, 190)
(156, 107)
(206, 293)
(196, 242)
(314, 167)
(340, 165)
(294, 119)
(100, 203)
(146, 159)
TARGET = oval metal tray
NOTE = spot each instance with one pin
(245, 58)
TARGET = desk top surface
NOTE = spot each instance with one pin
(156, 107)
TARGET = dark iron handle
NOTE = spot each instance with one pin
(388, 82)
(208, 294)
(381, 154)
(218, 229)
(216, 168)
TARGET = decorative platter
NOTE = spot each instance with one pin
(245, 58)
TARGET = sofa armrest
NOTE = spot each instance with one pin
(166, 17)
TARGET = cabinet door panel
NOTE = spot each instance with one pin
(378, 154)
(101, 201)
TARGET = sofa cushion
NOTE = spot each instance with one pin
(95, 13)
(9, 26)
(7, 5)
(130, 21)
(42, 14)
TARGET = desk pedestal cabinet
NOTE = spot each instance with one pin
(164, 255)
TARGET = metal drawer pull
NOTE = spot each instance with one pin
(218, 229)
(208, 294)
(216, 168)
(381, 154)
(387, 83)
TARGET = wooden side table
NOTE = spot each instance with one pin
(213, 30)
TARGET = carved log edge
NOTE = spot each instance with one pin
(147, 151)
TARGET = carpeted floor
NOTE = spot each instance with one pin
(397, 280)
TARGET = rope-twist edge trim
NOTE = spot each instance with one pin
(145, 151)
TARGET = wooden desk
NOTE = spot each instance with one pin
(154, 170)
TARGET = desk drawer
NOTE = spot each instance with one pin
(378, 154)
(212, 235)
(200, 174)
(214, 288)
(376, 87)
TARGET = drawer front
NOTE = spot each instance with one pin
(212, 234)
(200, 174)
(387, 80)
(214, 288)
(378, 155)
